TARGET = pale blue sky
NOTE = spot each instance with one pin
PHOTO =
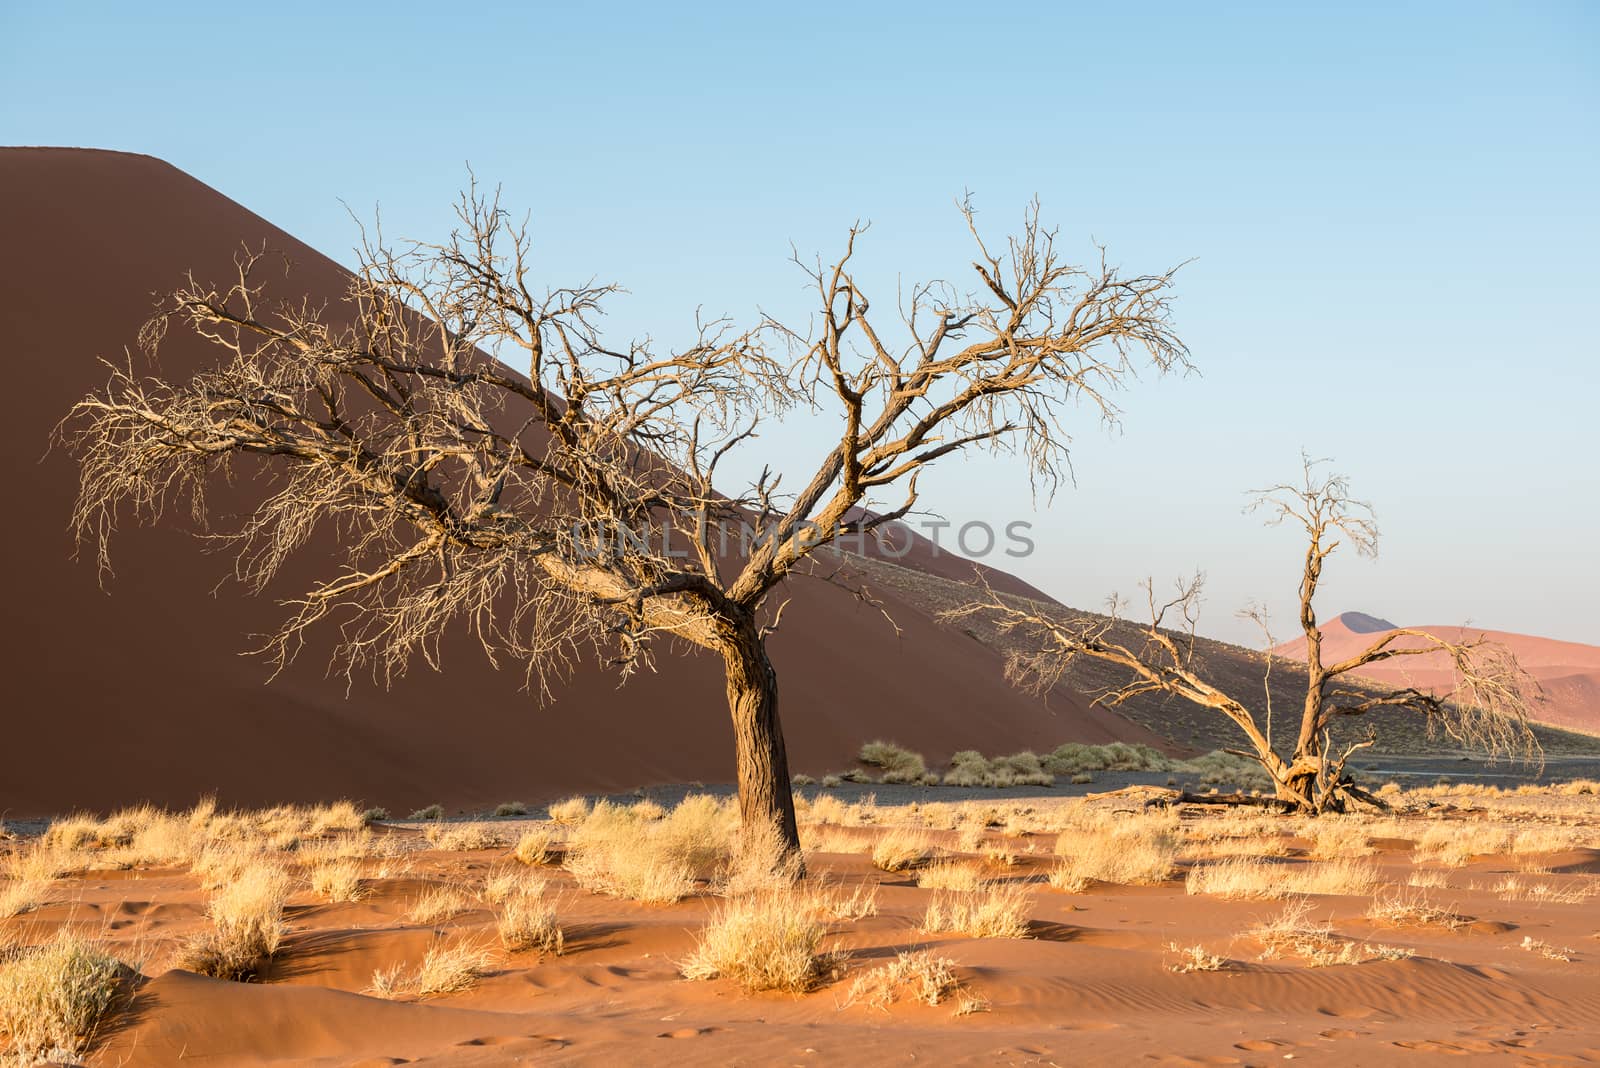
(1392, 210)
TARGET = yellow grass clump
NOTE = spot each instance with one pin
(919, 976)
(536, 847)
(528, 921)
(53, 999)
(1294, 932)
(950, 875)
(338, 880)
(438, 904)
(1244, 877)
(246, 924)
(901, 849)
(1413, 909)
(445, 969)
(614, 852)
(464, 837)
(766, 941)
(1140, 850)
(988, 910)
(572, 810)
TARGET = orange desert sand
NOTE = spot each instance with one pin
(1463, 929)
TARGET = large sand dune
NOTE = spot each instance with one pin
(139, 690)
(1569, 672)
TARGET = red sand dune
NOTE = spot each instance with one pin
(1568, 671)
(139, 691)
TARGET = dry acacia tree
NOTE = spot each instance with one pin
(488, 459)
(1487, 707)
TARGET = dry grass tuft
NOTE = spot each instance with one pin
(1294, 933)
(464, 837)
(446, 970)
(338, 880)
(901, 849)
(573, 810)
(1244, 877)
(502, 884)
(897, 764)
(246, 924)
(536, 847)
(919, 976)
(528, 921)
(510, 808)
(1545, 949)
(438, 904)
(1194, 958)
(1335, 837)
(767, 941)
(1413, 909)
(759, 864)
(54, 998)
(989, 910)
(950, 875)
(1141, 851)
(613, 852)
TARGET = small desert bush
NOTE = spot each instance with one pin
(897, 764)
(1413, 909)
(648, 810)
(1334, 836)
(971, 768)
(374, 814)
(501, 884)
(837, 906)
(1452, 845)
(1294, 932)
(830, 782)
(758, 864)
(53, 998)
(1140, 850)
(614, 853)
(1075, 757)
(1194, 958)
(432, 812)
(77, 831)
(438, 904)
(339, 816)
(445, 969)
(246, 924)
(1227, 769)
(919, 976)
(528, 921)
(767, 941)
(988, 910)
(338, 880)
(827, 809)
(950, 875)
(536, 847)
(1245, 877)
(901, 849)
(510, 808)
(464, 837)
(572, 810)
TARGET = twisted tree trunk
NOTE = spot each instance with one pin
(765, 794)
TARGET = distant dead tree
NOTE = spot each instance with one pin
(1487, 707)
(574, 504)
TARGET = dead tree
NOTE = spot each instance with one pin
(1487, 707)
(487, 457)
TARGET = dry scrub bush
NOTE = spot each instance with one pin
(950, 875)
(615, 853)
(1194, 958)
(1413, 909)
(464, 837)
(338, 880)
(571, 811)
(246, 924)
(971, 768)
(838, 840)
(54, 997)
(1452, 845)
(437, 905)
(989, 910)
(1218, 768)
(759, 864)
(431, 812)
(510, 808)
(339, 816)
(445, 969)
(901, 849)
(1428, 880)
(1293, 932)
(919, 976)
(898, 765)
(767, 941)
(833, 904)
(502, 884)
(1139, 850)
(827, 809)
(1516, 888)
(536, 847)
(528, 921)
(1117, 756)
(1332, 837)
(648, 810)
(1545, 949)
(1244, 877)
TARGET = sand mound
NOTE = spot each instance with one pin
(138, 691)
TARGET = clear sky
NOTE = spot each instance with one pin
(1392, 210)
